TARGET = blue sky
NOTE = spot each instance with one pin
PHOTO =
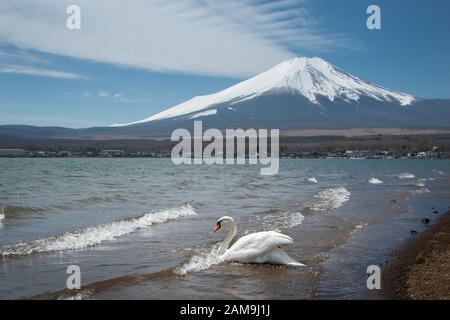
(131, 61)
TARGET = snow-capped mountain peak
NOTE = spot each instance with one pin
(310, 77)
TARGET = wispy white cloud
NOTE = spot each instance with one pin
(213, 37)
(42, 72)
(69, 122)
(24, 62)
(118, 96)
(20, 56)
(103, 94)
(123, 99)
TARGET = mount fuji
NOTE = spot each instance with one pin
(310, 78)
(297, 94)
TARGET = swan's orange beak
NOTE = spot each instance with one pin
(216, 227)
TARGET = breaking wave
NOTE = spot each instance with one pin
(357, 228)
(330, 199)
(312, 180)
(19, 210)
(280, 221)
(202, 260)
(375, 181)
(91, 236)
(421, 187)
(420, 184)
(405, 175)
(78, 296)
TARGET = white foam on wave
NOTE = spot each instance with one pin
(280, 221)
(375, 181)
(405, 175)
(293, 219)
(202, 260)
(91, 236)
(357, 228)
(312, 180)
(422, 190)
(330, 199)
(83, 295)
(2, 214)
(420, 184)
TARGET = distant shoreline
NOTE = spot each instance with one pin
(350, 133)
(432, 146)
(323, 157)
(420, 269)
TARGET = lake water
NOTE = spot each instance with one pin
(140, 228)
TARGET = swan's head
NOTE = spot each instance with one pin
(223, 221)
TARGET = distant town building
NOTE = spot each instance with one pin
(64, 154)
(436, 149)
(421, 155)
(12, 152)
(112, 153)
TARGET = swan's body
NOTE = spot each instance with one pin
(259, 247)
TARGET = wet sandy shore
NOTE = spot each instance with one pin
(420, 269)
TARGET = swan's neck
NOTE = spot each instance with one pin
(230, 236)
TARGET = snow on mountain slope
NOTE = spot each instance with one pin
(310, 77)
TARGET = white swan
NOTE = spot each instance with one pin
(260, 247)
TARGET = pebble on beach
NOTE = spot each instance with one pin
(425, 220)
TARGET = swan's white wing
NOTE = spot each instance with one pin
(252, 246)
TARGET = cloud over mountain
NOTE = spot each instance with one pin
(224, 38)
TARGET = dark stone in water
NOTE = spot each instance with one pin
(393, 201)
(413, 232)
(425, 220)
(435, 212)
